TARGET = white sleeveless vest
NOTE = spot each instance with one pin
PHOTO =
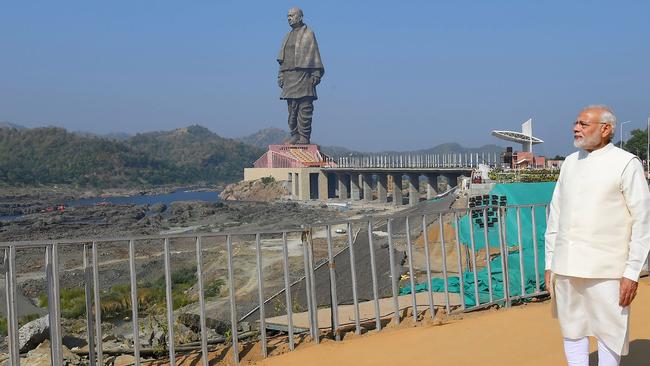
(594, 226)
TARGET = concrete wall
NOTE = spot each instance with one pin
(259, 173)
(360, 183)
(299, 178)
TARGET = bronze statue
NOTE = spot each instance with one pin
(300, 71)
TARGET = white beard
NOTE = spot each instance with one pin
(588, 141)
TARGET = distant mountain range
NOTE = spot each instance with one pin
(275, 136)
(272, 136)
(189, 155)
(117, 136)
(11, 125)
(111, 136)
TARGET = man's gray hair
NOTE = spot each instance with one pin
(607, 116)
(298, 10)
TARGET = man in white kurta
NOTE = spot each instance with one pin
(597, 240)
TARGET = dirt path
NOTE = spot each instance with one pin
(523, 335)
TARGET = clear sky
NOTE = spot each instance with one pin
(398, 75)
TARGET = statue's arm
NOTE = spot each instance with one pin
(316, 75)
(280, 78)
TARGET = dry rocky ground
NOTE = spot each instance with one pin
(113, 265)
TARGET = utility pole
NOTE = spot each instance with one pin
(622, 133)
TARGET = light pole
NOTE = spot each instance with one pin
(622, 132)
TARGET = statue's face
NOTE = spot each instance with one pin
(294, 17)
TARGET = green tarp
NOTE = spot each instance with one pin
(517, 194)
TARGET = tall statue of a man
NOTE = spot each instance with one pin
(300, 71)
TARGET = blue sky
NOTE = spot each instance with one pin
(399, 75)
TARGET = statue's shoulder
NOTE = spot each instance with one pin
(307, 30)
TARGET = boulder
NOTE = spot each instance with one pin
(124, 360)
(33, 333)
(40, 356)
(158, 208)
(264, 189)
(193, 321)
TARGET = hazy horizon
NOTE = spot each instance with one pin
(397, 77)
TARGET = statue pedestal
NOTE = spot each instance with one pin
(293, 156)
(301, 166)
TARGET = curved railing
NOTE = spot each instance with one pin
(297, 280)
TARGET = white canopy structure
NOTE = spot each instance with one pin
(525, 137)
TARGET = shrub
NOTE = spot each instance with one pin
(268, 180)
(73, 302)
(213, 288)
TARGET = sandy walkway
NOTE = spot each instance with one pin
(524, 335)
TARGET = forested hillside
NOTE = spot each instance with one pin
(184, 156)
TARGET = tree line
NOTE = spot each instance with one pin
(51, 155)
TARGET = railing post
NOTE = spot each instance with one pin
(460, 264)
(409, 252)
(54, 302)
(504, 257)
(12, 310)
(373, 269)
(170, 305)
(521, 255)
(427, 259)
(233, 305)
(314, 299)
(310, 312)
(353, 274)
(445, 276)
(134, 303)
(334, 305)
(199, 278)
(473, 255)
(89, 307)
(535, 254)
(260, 294)
(98, 308)
(393, 273)
(487, 253)
(287, 289)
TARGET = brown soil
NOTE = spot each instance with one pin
(522, 335)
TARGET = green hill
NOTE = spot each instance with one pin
(184, 156)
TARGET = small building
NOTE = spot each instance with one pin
(526, 160)
(299, 165)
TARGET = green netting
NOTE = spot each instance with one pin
(517, 194)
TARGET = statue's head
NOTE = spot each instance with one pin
(294, 17)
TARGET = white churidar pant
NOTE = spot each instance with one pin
(577, 353)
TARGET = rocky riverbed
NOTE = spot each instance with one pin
(122, 221)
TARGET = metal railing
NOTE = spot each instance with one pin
(415, 161)
(344, 266)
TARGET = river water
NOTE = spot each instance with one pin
(166, 198)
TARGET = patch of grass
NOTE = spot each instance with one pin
(268, 180)
(116, 301)
(27, 318)
(22, 321)
(3, 326)
(213, 289)
(73, 302)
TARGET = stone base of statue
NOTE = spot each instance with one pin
(293, 156)
(301, 167)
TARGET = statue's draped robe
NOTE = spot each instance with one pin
(300, 62)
